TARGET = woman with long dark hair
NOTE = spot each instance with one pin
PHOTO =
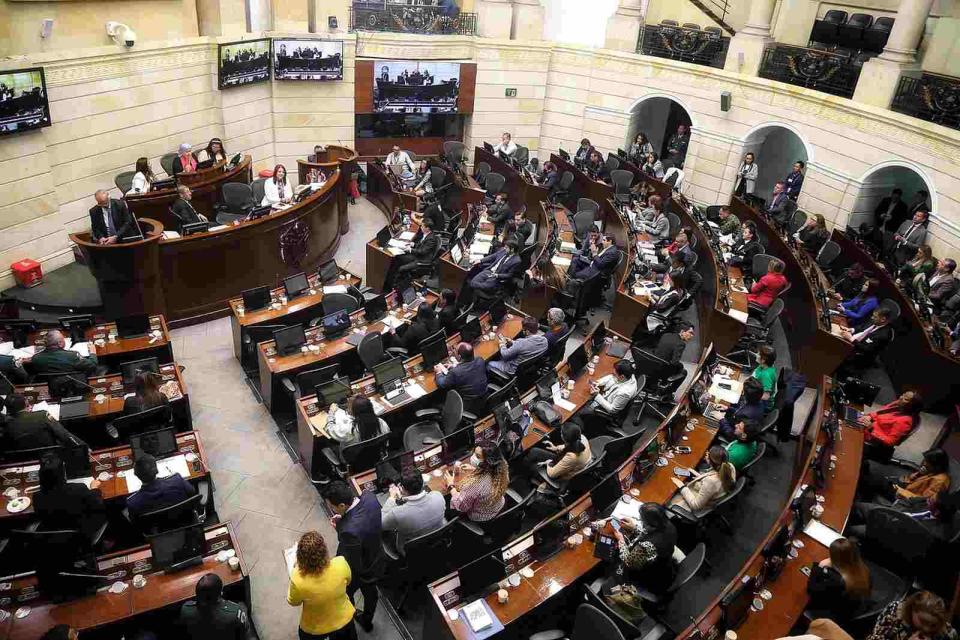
(840, 583)
(479, 495)
(562, 461)
(358, 424)
(859, 309)
(646, 548)
(142, 179)
(214, 152)
(146, 393)
(277, 190)
(640, 148)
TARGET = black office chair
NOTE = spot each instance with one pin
(255, 335)
(746, 469)
(498, 394)
(702, 519)
(893, 307)
(435, 423)
(875, 37)
(612, 163)
(591, 623)
(27, 455)
(494, 183)
(522, 155)
(686, 570)
(237, 202)
(897, 542)
(851, 32)
(454, 151)
(827, 255)
(148, 420)
(182, 514)
(370, 350)
(586, 204)
(559, 349)
(356, 457)
(827, 29)
(333, 302)
(304, 382)
(494, 533)
(421, 560)
(799, 219)
(483, 169)
(756, 334)
(526, 373)
(659, 388)
(614, 448)
(166, 163)
(562, 191)
(257, 187)
(574, 487)
(124, 181)
(403, 353)
(582, 226)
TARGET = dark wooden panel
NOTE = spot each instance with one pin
(468, 87)
(380, 147)
(363, 87)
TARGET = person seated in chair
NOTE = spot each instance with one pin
(751, 408)
(468, 378)
(850, 285)
(839, 585)
(769, 287)
(518, 228)
(28, 429)
(424, 250)
(743, 448)
(744, 248)
(605, 257)
(594, 164)
(12, 369)
(556, 326)
(943, 284)
(813, 234)
(729, 223)
(357, 424)
(477, 490)
(869, 341)
(496, 269)
(56, 358)
(890, 425)
(437, 217)
(670, 348)
(499, 212)
(920, 616)
(921, 263)
(64, 505)
(655, 221)
(184, 209)
(411, 510)
(680, 247)
(562, 461)
(447, 310)
(611, 394)
(550, 178)
(766, 373)
(146, 393)
(932, 478)
(859, 310)
(531, 344)
(211, 617)
(777, 208)
(424, 325)
(705, 489)
(155, 492)
(646, 549)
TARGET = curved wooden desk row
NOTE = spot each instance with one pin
(568, 567)
(520, 191)
(206, 185)
(335, 157)
(913, 360)
(385, 190)
(191, 279)
(111, 354)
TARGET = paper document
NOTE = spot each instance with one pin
(391, 321)
(166, 467)
(732, 395)
(52, 408)
(6, 348)
(481, 248)
(483, 237)
(170, 235)
(25, 352)
(83, 348)
(395, 252)
(836, 329)
(738, 315)
(217, 227)
(336, 288)
(560, 261)
(290, 557)
(627, 510)
(416, 391)
(84, 481)
(318, 424)
(713, 224)
(568, 247)
(399, 244)
(564, 404)
(377, 407)
(477, 616)
(407, 236)
(821, 533)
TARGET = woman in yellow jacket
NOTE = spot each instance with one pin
(319, 584)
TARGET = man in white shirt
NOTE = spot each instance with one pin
(506, 145)
(401, 158)
(611, 394)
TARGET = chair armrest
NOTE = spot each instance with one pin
(430, 441)
(469, 416)
(427, 413)
(333, 456)
(513, 495)
(906, 464)
(682, 513)
(288, 386)
(98, 534)
(552, 634)
(617, 431)
(498, 378)
(390, 547)
(472, 527)
(542, 472)
(204, 489)
(397, 351)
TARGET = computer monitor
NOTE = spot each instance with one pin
(392, 468)
(335, 391)
(177, 549)
(736, 605)
(129, 370)
(328, 272)
(498, 310)
(508, 413)
(605, 494)
(675, 429)
(434, 352)
(480, 575)
(548, 538)
(488, 147)
(76, 326)
(458, 443)
(156, 418)
(256, 298)
(471, 330)
(159, 444)
(76, 461)
(545, 385)
(335, 323)
(295, 285)
(565, 155)
(599, 335)
(409, 295)
(577, 360)
(195, 227)
(375, 308)
(133, 326)
(6, 387)
(389, 371)
(383, 237)
(456, 253)
(289, 339)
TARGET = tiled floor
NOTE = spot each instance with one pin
(259, 487)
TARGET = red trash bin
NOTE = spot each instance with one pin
(27, 272)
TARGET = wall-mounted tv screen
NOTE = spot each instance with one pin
(243, 63)
(402, 86)
(23, 101)
(307, 59)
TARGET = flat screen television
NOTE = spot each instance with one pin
(307, 59)
(406, 86)
(242, 63)
(23, 101)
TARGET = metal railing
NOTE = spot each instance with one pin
(930, 97)
(411, 19)
(698, 46)
(825, 71)
(717, 8)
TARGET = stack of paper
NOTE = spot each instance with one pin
(290, 557)
(480, 248)
(397, 244)
(563, 404)
(83, 348)
(568, 247)
(738, 315)
(407, 236)
(336, 288)
(560, 261)
(170, 235)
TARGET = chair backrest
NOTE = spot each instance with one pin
(124, 180)
(761, 449)
(257, 188)
(760, 263)
(307, 380)
(522, 155)
(646, 363)
(452, 414)
(147, 420)
(612, 162)
(893, 306)
(333, 302)
(506, 523)
(773, 312)
(586, 204)
(689, 567)
(502, 393)
(438, 177)
(583, 223)
(566, 179)
(828, 253)
(426, 554)
(560, 346)
(618, 450)
(896, 541)
(859, 21)
(483, 168)
(166, 162)
(799, 219)
(172, 516)
(669, 23)
(717, 31)
(593, 624)
(365, 454)
(370, 350)
(691, 25)
(495, 182)
(674, 220)
(584, 480)
(526, 254)
(621, 180)
(237, 194)
(731, 495)
(835, 16)
(453, 150)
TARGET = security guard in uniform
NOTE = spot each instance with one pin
(210, 617)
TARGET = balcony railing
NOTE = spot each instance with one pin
(698, 46)
(410, 19)
(930, 97)
(825, 71)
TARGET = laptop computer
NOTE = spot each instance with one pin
(73, 408)
(256, 298)
(383, 237)
(850, 414)
(618, 349)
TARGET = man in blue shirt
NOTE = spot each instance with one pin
(469, 378)
(156, 493)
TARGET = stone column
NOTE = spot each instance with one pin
(528, 17)
(222, 17)
(795, 22)
(880, 76)
(750, 41)
(623, 27)
(494, 18)
(291, 15)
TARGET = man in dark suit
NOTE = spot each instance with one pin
(110, 220)
(496, 268)
(519, 228)
(27, 429)
(64, 505)
(499, 212)
(550, 177)
(55, 358)
(358, 524)
(583, 152)
(469, 378)
(156, 493)
(745, 248)
(891, 212)
(13, 370)
(670, 348)
(943, 284)
(909, 236)
(183, 209)
(605, 257)
(780, 208)
(424, 250)
(868, 343)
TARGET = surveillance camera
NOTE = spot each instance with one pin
(121, 34)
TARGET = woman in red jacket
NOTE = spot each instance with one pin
(765, 290)
(893, 422)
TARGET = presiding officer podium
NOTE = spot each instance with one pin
(128, 274)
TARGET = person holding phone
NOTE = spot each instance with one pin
(706, 488)
(646, 549)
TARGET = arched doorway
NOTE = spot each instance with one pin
(657, 116)
(776, 148)
(878, 183)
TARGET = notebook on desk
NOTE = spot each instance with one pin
(354, 339)
(617, 349)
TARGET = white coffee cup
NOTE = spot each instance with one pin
(139, 582)
(234, 563)
(502, 596)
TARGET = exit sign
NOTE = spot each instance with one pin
(511, 93)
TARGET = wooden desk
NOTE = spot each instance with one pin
(913, 360)
(105, 608)
(335, 157)
(299, 309)
(520, 191)
(120, 350)
(206, 186)
(319, 351)
(583, 185)
(23, 475)
(387, 193)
